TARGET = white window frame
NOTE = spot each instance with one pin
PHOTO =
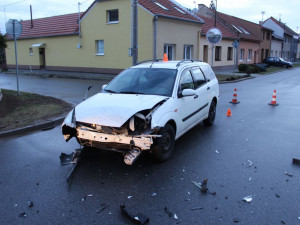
(249, 54)
(242, 54)
(100, 50)
(185, 51)
(108, 16)
(166, 50)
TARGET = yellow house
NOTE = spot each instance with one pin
(101, 39)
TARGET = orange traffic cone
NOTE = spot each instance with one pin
(165, 58)
(228, 113)
(273, 101)
(234, 99)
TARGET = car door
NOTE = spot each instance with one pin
(186, 105)
(203, 92)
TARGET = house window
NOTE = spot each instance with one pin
(169, 50)
(242, 52)
(250, 54)
(161, 6)
(188, 52)
(229, 53)
(267, 53)
(30, 51)
(218, 52)
(268, 36)
(113, 16)
(100, 47)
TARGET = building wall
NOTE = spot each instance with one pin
(206, 52)
(178, 33)
(276, 47)
(254, 57)
(278, 31)
(298, 51)
(61, 52)
(266, 45)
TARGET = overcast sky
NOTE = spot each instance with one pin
(250, 10)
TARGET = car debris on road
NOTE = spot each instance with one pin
(138, 218)
(203, 187)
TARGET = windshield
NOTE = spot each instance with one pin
(149, 81)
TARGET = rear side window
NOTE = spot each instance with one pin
(208, 72)
(198, 77)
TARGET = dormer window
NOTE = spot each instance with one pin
(161, 6)
(179, 10)
(237, 29)
(113, 16)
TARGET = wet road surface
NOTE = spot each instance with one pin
(246, 154)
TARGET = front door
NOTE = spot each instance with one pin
(42, 57)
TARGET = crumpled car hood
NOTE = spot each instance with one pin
(113, 109)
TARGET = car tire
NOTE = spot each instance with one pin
(164, 147)
(211, 115)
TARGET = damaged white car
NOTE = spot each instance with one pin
(146, 108)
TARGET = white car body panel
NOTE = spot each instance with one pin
(114, 109)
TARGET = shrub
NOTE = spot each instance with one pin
(242, 67)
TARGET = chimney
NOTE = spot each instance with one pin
(31, 16)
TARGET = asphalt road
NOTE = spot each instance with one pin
(246, 154)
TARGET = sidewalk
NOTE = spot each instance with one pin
(63, 74)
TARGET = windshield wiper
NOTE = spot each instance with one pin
(130, 92)
(110, 91)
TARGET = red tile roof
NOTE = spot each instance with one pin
(245, 32)
(210, 23)
(50, 26)
(179, 13)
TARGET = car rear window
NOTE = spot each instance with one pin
(208, 72)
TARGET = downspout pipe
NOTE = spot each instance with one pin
(155, 37)
(134, 47)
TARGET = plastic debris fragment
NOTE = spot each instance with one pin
(248, 198)
(103, 207)
(154, 194)
(290, 175)
(203, 187)
(23, 214)
(197, 208)
(175, 217)
(217, 152)
(138, 219)
(170, 214)
(277, 195)
(129, 197)
(296, 161)
(30, 204)
(250, 179)
(250, 163)
(236, 220)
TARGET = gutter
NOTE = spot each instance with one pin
(155, 37)
(54, 35)
(176, 18)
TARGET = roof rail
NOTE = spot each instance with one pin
(188, 60)
(149, 60)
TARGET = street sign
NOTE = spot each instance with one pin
(235, 44)
(13, 28)
(214, 35)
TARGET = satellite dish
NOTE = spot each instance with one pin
(214, 35)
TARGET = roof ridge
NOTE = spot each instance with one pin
(43, 18)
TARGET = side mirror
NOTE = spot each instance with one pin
(188, 92)
(104, 86)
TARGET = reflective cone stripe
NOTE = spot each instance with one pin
(234, 99)
(273, 101)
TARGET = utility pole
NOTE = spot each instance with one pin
(134, 31)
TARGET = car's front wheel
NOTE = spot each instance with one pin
(211, 114)
(165, 144)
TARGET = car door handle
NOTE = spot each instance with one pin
(208, 88)
(196, 96)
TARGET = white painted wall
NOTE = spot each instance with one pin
(278, 31)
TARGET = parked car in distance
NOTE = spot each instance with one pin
(146, 108)
(277, 61)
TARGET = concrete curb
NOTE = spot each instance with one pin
(40, 126)
(236, 81)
